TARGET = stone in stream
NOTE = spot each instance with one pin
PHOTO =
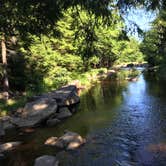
(9, 146)
(63, 113)
(46, 160)
(69, 141)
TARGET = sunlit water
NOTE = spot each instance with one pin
(124, 124)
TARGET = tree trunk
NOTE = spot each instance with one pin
(4, 64)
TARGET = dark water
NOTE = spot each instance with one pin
(124, 123)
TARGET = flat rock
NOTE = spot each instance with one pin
(46, 160)
(43, 107)
(53, 122)
(27, 122)
(9, 146)
(35, 113)
(63, 113)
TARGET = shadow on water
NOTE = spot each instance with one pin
(124, 125)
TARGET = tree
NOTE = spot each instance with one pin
(18, 18)
(154, 43)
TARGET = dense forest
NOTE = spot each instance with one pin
(45, 45)
(77, 42)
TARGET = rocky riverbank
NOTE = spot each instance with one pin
(49, 109)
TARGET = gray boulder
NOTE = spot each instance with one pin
(63, 113)
(46, 160)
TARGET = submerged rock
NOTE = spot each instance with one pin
(69, 141)
(46, 160)
(9, 146)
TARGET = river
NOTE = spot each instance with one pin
(124, 124)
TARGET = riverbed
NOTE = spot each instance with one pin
(124, 124)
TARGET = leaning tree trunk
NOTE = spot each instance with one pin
(4, 65)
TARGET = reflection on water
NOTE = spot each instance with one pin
(124, 125)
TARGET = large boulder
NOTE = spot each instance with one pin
(9, 146)
(69, 141)
(35, 112)
(64, 96)
(46, 160)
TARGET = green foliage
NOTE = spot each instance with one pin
(83, 42)
(154, 43)
(130, 52)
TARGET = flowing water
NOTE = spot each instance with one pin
(124, 124)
